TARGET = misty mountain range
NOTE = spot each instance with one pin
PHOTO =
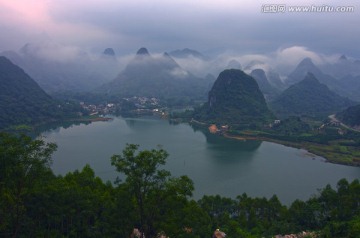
(347, 86)
(57, 69)
(186, 53)
(311, 92)
(309, 97)
(61, 69)
(156, 76)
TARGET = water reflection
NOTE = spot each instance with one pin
(143, 123)
(216, 142)
(216, 164)
(56, 127)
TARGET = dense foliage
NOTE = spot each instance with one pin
(350, 116)
(151, 187)
(309, 97)
(292, 126)
(36, 203)
(22, 101)
(234, 99)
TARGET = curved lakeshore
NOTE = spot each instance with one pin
(216, 164)
(91, 119)
(333, 151)
(330, 153)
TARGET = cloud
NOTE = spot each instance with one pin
(51, 51)
(282, 60)
(211, 26)
(286, 59)
(195, 65)
(293, 55)
(17, 12)
(179, 72)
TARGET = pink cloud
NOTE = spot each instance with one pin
(24, 12)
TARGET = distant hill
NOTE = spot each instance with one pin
(307, 66)
(109, 52)
(343, 67)
(254, 64)
(185, 53)
(350, 86)
(156, 76)
(309, 97)
(347, 86)
(275, 80)
(234, 64)
(61, 69)
(235, 99)
(350, 116)
(302, 69)
(22, 101)
(266, 88)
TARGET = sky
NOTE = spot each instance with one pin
(209, 26)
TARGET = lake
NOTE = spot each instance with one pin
(216, 165)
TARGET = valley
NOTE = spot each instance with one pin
(247, 132)
(181, 119)
(250, 107)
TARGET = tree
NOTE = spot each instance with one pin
(153, 188)
(23, 162)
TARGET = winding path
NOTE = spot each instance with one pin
(334, 119)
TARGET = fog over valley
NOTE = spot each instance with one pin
(68, 38)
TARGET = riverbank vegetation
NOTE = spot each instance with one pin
(34, 202)
(329, 139)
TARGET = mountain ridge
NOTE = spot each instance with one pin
(309, 97)
(186, 52)
(156, 76)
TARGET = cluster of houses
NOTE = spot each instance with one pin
(143, 105)
(144, 102)
(101, 109)
(146, 106)
(303, 234)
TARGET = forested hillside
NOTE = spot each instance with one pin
(235, 99)
(309, 97)
(350, 116)
(22, 101)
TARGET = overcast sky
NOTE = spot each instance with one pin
(210, 26)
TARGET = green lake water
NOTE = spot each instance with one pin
(216, 165)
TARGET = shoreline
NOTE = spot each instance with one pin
(95, 119)
(321, 150)
(300, 145)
